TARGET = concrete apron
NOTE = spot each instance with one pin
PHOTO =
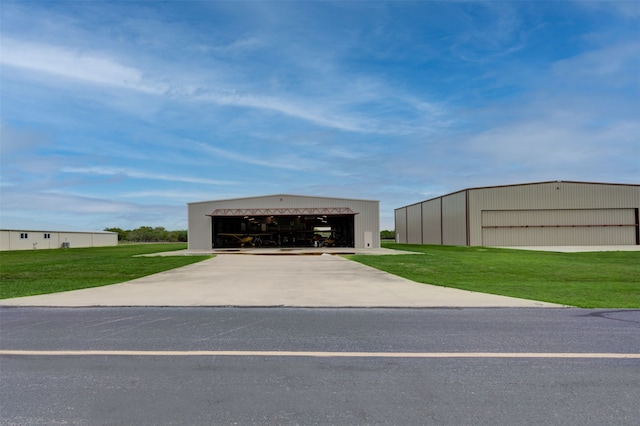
(295, 281)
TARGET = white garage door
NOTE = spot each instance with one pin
(559, 227)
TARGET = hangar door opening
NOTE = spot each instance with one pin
(560, 227)
(299, 227)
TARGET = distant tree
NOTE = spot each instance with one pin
(160, 234)
(387, 235)
(142, 234)
(180, 236)
(147, 234)
(122, 234)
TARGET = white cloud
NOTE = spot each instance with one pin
(627, 9)
(182, 196)
(20, 140)
(336, 96)
(613, 65)
(290, 107)
(288, 162)
(108, 171)
(558, 149)
(74, 64)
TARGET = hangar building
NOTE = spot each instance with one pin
(556, 213)
(284, 221)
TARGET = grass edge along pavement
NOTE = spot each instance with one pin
(586, 280)
(32, 272)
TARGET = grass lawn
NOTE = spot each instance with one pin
(588, 280)
(29, 272)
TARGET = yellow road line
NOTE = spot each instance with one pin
(561, 355)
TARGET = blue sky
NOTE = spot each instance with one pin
(117, 114)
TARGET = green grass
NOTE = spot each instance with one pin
(588, 280)
(30, 272)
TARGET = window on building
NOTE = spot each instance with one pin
(24, 235)
(47, 236)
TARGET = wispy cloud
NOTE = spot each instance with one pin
(335, 111)
(288, 162)
(108, 171)
(74, 64)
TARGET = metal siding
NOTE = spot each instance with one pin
(598, 203)
(414, 224)
(5, 240)
(554, 196)
(199, 235)
(101, 240)
(401, 225)
(11, 240)
(432, 221)
(367, 219)
(558, 217)
(454, 219)
(559, 227)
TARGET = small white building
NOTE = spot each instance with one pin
(30, 239)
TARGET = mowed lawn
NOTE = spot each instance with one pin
(588, 280)
(30, 272)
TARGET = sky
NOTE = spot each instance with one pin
(119, 113)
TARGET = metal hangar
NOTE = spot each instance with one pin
(284, 221)
(555, 213)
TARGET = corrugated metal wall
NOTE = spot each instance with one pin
(432, 221)
(558, 227)
(454, 219)
(556, 213)
(199, 226)
(414, 224)
(546, 213)
(401, 225)
(367, 219)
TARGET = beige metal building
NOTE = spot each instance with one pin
(284, 221)
(25, 239)
(556, 213)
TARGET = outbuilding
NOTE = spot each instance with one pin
(34, 239)
(554, 213)
(284, 221)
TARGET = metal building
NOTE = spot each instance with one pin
(30, 239)
(284, 221)
(556, 213)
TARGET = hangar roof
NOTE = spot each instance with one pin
(520, 184)
(283, 195)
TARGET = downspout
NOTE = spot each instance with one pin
(441, 224)
(638, 227)
(421, 223)
(467, 219)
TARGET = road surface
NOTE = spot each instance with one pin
(150, 366)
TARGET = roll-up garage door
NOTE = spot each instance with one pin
(559, 227)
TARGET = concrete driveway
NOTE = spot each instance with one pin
(252, 280)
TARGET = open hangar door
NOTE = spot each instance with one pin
(246, 228)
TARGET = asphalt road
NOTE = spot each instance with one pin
(150, 366)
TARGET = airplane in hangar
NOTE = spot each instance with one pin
(243, 238)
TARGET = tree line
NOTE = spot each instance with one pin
(387, 235)
(148, 234)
